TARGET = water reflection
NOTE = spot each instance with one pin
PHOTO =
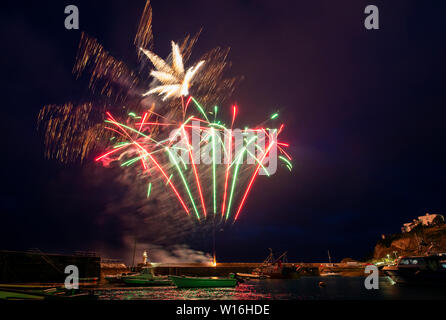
(306, 288)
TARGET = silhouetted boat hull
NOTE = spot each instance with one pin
(418, 270)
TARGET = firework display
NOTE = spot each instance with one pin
(72, 131)
(166, 126)
(185, 174)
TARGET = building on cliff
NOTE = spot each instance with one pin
(426, 220)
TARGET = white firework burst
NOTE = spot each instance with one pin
(174, 81)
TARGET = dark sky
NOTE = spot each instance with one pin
(365, 114)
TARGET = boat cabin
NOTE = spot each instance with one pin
(432, 263)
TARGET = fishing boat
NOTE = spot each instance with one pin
(209, 282)
(424, 270)
(277, 268)
(329, 269)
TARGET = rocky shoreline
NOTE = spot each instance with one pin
(419, 241)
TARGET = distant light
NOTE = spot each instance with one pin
(274, 116)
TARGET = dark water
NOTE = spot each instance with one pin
(306, 288)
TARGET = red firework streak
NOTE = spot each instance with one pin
(154, 161)
(252, 180)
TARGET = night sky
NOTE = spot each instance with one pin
(364, 111)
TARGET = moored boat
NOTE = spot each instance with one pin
(275, 268)
(209, 282)
(11, 294)
(424, 270)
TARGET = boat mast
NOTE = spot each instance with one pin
(134, 249)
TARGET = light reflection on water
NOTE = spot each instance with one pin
(306, 288)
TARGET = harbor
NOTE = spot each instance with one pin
(37, 275)
(38, 267)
